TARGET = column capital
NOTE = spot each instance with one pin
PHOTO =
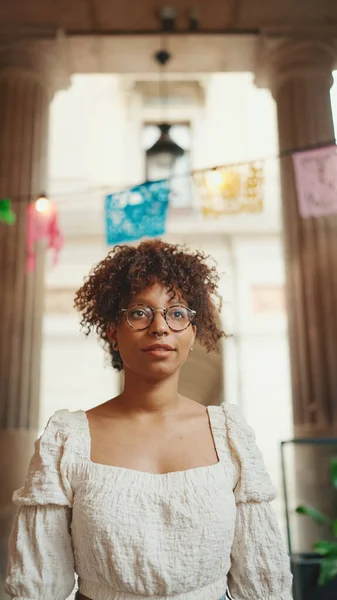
(281, 60)
(44, 61)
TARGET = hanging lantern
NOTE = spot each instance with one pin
(161, 157)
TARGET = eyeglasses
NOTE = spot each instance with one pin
(177, 317)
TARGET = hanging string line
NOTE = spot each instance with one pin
(106, 189)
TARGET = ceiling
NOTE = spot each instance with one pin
(135, 54)
(134, 16)
(108, 36)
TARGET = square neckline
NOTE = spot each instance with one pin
(169, 474)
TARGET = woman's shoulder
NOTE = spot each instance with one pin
(229, 410)
(228, 419)
(233, 425)
(253, 481)
(64, 427)
(47, 481)
(63, 420)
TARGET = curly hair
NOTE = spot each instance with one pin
(128, 270)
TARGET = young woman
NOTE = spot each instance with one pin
(148, 495)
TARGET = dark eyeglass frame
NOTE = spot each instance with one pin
(191, 314)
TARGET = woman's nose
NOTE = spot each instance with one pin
(159, 324)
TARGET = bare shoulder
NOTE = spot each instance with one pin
(105, 409)
(192, 407)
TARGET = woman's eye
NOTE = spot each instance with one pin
(138, 313)
(178, 314)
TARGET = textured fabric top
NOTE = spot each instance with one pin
(184, 535)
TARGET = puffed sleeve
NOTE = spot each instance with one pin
(41, 563)
(260, 568)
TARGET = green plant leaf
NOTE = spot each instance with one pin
(334, 527)
(326, 548)
(334, 472)
(314, 514)
(328, 571)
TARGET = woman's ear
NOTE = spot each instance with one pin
(194, 327)
(112, 334)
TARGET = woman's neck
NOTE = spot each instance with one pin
(143, 396)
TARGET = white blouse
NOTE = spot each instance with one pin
(128, 535)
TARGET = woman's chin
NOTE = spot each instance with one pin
(161, 370)
(154, 370)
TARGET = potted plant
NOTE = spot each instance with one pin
(315, 574)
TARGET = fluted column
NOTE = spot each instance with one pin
(29, 76)
(299, 74)
(300, 77)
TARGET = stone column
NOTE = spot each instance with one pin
(300, 77)
(29, 75)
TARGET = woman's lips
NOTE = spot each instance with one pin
(160, 350)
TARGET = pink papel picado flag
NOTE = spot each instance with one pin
(316, 181)
(42, 224)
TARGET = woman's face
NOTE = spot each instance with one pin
(156, 352)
